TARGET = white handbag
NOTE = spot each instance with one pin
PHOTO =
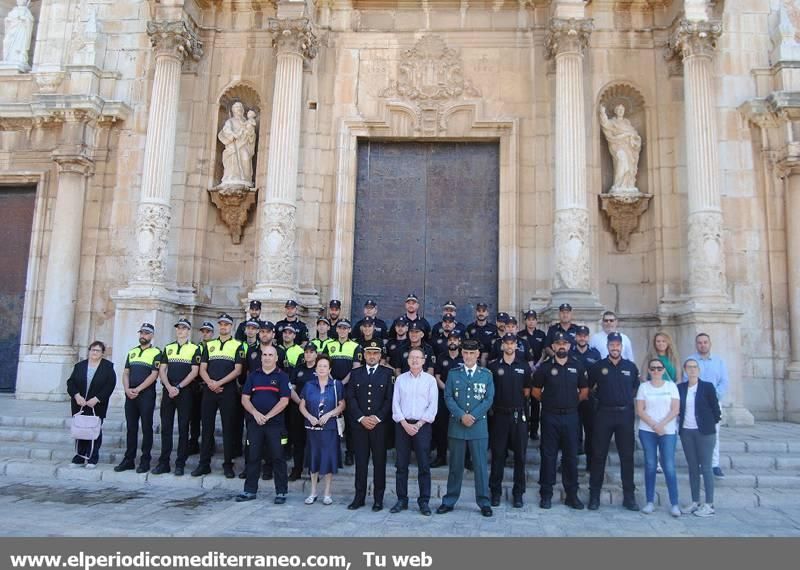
(85, 428)
(339, 419)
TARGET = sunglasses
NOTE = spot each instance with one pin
(654, 368)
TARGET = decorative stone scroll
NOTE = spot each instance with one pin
(693, 38)
(567, 35)
(623, 213)
(176, 39)
(234, 203)
(152, 231)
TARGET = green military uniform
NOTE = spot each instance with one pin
(468, 395)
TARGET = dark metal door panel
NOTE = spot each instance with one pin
(16, 220)
(426, 221)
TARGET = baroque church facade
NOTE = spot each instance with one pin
(176, 158)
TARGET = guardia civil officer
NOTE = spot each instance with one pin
(180, 367)
(381, 328)
(615, 381)
(587, 356)
(482, 330)
(564, 325)
(444, 364)
(300, 328)
(221, 364)
(265, 396)
(559, 384)
(512, 387)
(254, 311)
(369, 404)
(469, 394)
(141, 371)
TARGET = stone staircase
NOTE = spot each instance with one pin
(761, 463)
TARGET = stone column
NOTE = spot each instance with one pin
(566, 41)
(294, 41)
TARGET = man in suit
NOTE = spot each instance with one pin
(369, 403)
(468, 393)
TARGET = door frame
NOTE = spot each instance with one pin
(398, 125)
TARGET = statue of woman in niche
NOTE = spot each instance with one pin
(239, 137)
(18, 31)
(624, 144)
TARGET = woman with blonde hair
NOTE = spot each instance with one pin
(664, 350)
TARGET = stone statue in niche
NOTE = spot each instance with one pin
(17, 39)
(624, 144)
(238, 134)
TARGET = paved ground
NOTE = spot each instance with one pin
(52, 508)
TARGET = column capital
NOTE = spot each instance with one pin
(174, 38)
(567, 35)
(73, 163)
(295, 35)
(689, 38)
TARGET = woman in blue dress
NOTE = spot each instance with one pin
(321, 402)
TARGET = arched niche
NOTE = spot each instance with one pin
(632, 99)
(247, 96)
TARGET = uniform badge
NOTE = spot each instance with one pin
(254, 355)
(554, 371)
(331, 348)
(480, 391)
(501, 372)
(405, 355)
(445, 362)
(171, 351)
(519, 371)
(212, 348)
(604, 371)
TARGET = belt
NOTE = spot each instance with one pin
(560, 411)
(412, 422)
(615, 408)
(507, 411)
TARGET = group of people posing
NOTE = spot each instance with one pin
(468, 391)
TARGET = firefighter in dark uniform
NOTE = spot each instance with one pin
(180, 367)
(254, 315)
(482, 330)
(334, 313)
(587, 356)
(564, 325)
(615, 381)
(220, 366)
(560, 383)
(301, 374)
(369, 405)
(300, 328)
(512, 387)
(536, 339)
(292, 351)
(381, 328)
(265, 396)
(141, 372)
(322, 340)
(449, 308)
(445, 362)
(412, 315)
(345, 355)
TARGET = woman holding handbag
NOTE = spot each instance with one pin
(321, 404)
(90, 387)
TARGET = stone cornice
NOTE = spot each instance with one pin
(294, 36)
(55, 109)
(75, 163)
(175, 39)
(690, 38)
(567, 35)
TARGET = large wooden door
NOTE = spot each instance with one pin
(426, 222)
(16, 220)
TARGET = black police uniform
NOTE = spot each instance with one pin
(241, 335)
(570, 332)
(140, 363)
(523, 354)
(369, 392)
(265, 391)
(509, 423)
(560, 384)
(438, 330)
(401, 357)
(196, 416)
(536, 340)
(294, 419)
(586, 409)
(381, 330)
(423, 323)
(394, 351)
(179, 358)
(615, 386)
(444, 364)
(300, 326)
(483, 334)
(251, 353)
(221, 358)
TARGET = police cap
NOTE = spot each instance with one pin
(147, 328)
(266, 325)
(184, 322)
(344, 323)
(225, 318)
(374, 344)
(412, 297)
(448, 319)
(531, 314)
(252, 323)
(502, 317)
(415, 326)
(289, 328)
(565, 307)
(449, 305)
(512, 320)
(310, 347)
(335, 304)
(255, 304)
(323, 320)
(401, 321)
(207, 325)
(367, 321)
(455, 334)
(509, 337)
(583, 329)
(291, 303)
(614, 337)
(370, 303)
(561, 336)
(482, 305)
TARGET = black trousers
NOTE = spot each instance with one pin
(227, 403)
(238, 423)
(421, 444)
(297, 435)
(559, 432)
(535, 415)
(440, 425)
(619, 424)
(259, 437)
(182, 404)
(508, 429)
(195, 390)
(140, 409)
(586, 412)
(365, 443)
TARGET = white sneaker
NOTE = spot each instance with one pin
(659, 470)
(690, 508)
(705, 510)
(91, 466)
(648, 508)
(675, 511)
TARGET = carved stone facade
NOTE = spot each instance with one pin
(571, 250)
(152, 233)
(707, 262)
(276, 250)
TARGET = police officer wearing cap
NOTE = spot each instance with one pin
(345, 355)
(323, 330)
(254, 311)
(587, 356)
(416, 335)
(512, 387)
(291, 350)
(449, 308)
(564, 325)
(482, 330)
(300, 328)
(441, 336)
(221, 364)
(141, 371)
(265, 396)
(412, 315)
(445, 362)
(334, 312)
(469, 394)
(536, 339)
(559, 384)
(615, 381)
(369, 405)
(523, 352)
(300, 374)
(395, 345)
(252, 362)
(367, 333)
(196, 390)
(180, 367)
(381, 328)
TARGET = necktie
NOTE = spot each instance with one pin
(370, 371)
(469, 374)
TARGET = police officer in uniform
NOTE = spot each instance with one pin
(449, 308)
(196, 390)
(301, 374)
(535, 337)
(523, 351)
(482, 330)
(395, 345)
(381, 328)
(292, 352)
(469, 394)
(322, 340)
(564, 325)
(252, 355)
(254, 315)
(141, 371)
(367, 333)
(444, 364)
(416, 335)
(412, 315)
(334, 312)
(369, 405)
(345, 355)
(559, 384)
(441, 335)
(587, 356)
(220, 366)
(512, 387)
(180, 367)
(265, 396)
(300, 328)
(615, 381)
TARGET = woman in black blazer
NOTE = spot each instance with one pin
(699, 415)
(96, 397)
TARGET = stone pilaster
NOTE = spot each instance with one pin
(294, 42)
